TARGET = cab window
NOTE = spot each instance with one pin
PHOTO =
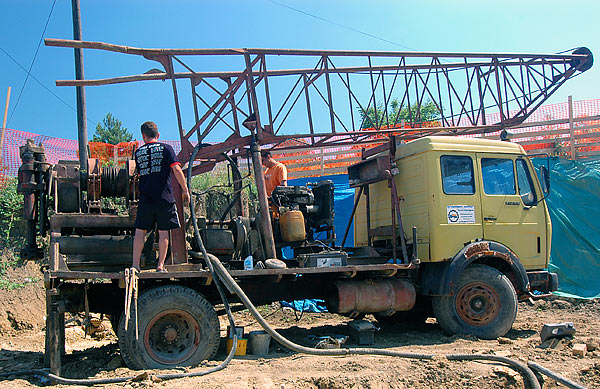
(525, 184)
(498, 176)
(457, 174)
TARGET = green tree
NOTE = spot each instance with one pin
(111, 131)
(377, 116)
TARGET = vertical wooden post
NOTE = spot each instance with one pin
(79, 75)
(571, 129)
(4, 123)
(55, 336)
(53, 331)
(322, 162)
(264, 217)
(54, 260)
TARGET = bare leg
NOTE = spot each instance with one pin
(138, 246)
(163, 244)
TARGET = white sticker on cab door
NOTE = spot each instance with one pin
(461, 214)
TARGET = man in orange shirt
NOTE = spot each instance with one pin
(276, 173)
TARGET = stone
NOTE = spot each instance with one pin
(505, 371)
(503, 353)
(579, 349)
(542, 304)
(141, 377)
(502, 340)
(561, 304)
(591, 344)
(551, 344)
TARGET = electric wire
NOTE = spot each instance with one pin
(32, 61)
(42, 84)
(342, 25)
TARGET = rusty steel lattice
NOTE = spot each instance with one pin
(321, 100)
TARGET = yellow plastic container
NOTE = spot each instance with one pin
(292, 226)
(242, 344)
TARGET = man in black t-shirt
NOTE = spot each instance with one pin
(154, 163)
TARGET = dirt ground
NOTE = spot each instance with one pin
(22, 343)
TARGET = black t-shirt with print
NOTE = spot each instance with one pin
(154, 161)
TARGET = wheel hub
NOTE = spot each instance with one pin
(477, 304)
(172, 336)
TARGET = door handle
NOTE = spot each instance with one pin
(489, 218)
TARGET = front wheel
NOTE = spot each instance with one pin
(484, 305)
(177, 326)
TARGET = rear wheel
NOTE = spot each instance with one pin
(177, 326)
(484, 305)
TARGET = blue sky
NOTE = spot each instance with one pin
(462, 26)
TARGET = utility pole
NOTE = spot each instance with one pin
(81, 108)
(4, 123)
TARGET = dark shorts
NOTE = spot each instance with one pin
(164, 215)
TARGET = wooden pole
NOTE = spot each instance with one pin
(4, 123)
(571, 128)
(81, 106)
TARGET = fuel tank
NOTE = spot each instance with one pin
(371, 296)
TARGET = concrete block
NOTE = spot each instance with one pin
(579, 349)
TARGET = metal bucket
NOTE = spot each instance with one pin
(259, 342)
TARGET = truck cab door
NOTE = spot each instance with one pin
(457, 216)
(508, 204)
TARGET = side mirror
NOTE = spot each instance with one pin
(545, 175)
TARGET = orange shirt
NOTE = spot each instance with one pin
(274, 176)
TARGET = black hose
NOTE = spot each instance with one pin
(216, 281)
(557, 377)
(230, 283)
(237, 176)
(529, 378)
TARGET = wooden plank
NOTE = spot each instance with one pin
(346, 150)
(320, 270)
(317, 172)
(91, 275)
(90, 220)
(316, 162)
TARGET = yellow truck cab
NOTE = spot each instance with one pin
(480, 213)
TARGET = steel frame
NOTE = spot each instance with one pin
(462, 86)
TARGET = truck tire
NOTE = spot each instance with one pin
(484, 305)
(177, 327)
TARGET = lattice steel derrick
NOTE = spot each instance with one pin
(310, 98)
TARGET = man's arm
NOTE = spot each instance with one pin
(178, 173)
(283, 175)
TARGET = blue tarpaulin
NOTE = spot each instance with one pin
(307, 305)
(574, 210)
(575, 213)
